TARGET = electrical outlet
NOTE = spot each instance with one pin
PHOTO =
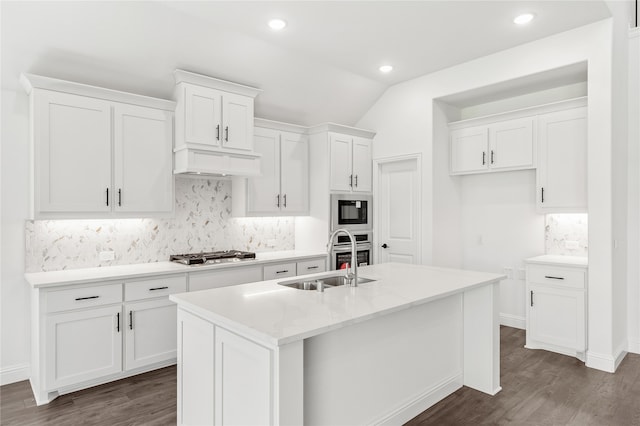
(107, 255)
(521, 274)
(571, 245)
(508, 272)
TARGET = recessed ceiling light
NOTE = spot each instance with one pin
(386, 68)
(277, 24)
(525, 18)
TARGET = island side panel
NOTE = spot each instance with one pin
(482, 338)
(385, 370)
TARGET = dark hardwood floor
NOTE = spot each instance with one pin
(538, 388)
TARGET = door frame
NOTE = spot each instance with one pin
(377, 165)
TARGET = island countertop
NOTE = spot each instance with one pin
(278, 315)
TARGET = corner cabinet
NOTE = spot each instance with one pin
(283, 187)
(98, 153)
(214, 126)
(562, 171)
(350, 163)
(499, 146)
(556, 305)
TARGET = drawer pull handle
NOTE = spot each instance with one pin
(282, 272)
(158, 288)
(118, 322)
(130, 320)
(531, 299)
(87, 298)
(553, 278)
(311, 267)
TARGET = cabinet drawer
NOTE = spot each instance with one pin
(224, 277)
(558, 276)
(281, 270)
(156, 287)
(311, 266)
(84, 297)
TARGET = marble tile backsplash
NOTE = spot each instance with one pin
(563, 228)
(202, 222)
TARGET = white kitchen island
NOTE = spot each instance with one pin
(379, 353)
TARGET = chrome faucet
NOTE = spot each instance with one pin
(352, 278)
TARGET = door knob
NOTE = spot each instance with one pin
(384, 245)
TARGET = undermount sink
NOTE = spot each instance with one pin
(312, 284)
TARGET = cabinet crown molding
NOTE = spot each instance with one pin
(280, 125)
(32, 81)
(340, 128)
(183, 76)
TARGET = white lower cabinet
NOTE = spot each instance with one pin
(150, 332)
(206, 280)
(83, 345)
(280, 270)
(556, 309)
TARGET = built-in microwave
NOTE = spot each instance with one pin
(351, 212)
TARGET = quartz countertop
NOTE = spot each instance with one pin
(141, 270)
(277, 315)
(551, 259)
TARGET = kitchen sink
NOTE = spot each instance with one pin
(312, 284)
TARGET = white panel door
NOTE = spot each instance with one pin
(512, 144)
(562, 168)
(237, 119)
(557, 316)
(398, 220)
(469, 150)
(340, 162)
(362, 165)
(72, 152)
(242, 375)
(203, 115)
(150, 334)
(143, 164)
(83, 345)
(263, 192)
(294, 177)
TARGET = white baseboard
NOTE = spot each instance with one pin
(421, 402)
(513, 321)
(633, 345)
(608, 363)
(14, 373)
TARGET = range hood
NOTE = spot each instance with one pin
(214, 127)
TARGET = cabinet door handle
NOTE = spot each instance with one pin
(553, 278)
(226, 134)
(311, 267)
(278, 200)
(218, 132)
(356, 181)
(484, 154)
(118, 322)
(284, 204)
(351, 181)
(107, 196)
(542, 196)
(130, 320)
(119, 197)
(282, 272)
(531, 298)
(158, 288)
(87, 298)
(491, 156)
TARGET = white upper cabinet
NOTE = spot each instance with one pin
(499, 146)
(350, 163)
(283, 187)
(214, 126)
(143, 178)
(98, 153)
(562, 172)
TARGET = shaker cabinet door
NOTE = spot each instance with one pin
(294, 177)
(263, 192)
(362, 165)
(143, 180)
(469, 150)
(202, 116)
(237, 113)
(340, 162)
(72, 153)
(512, 144)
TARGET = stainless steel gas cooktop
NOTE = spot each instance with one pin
(213, 257)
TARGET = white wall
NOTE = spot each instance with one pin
(403, 121)
(633, 191)
(14, 295)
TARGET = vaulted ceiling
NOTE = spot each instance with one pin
(322, 67)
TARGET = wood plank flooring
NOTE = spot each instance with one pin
(539, 388)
